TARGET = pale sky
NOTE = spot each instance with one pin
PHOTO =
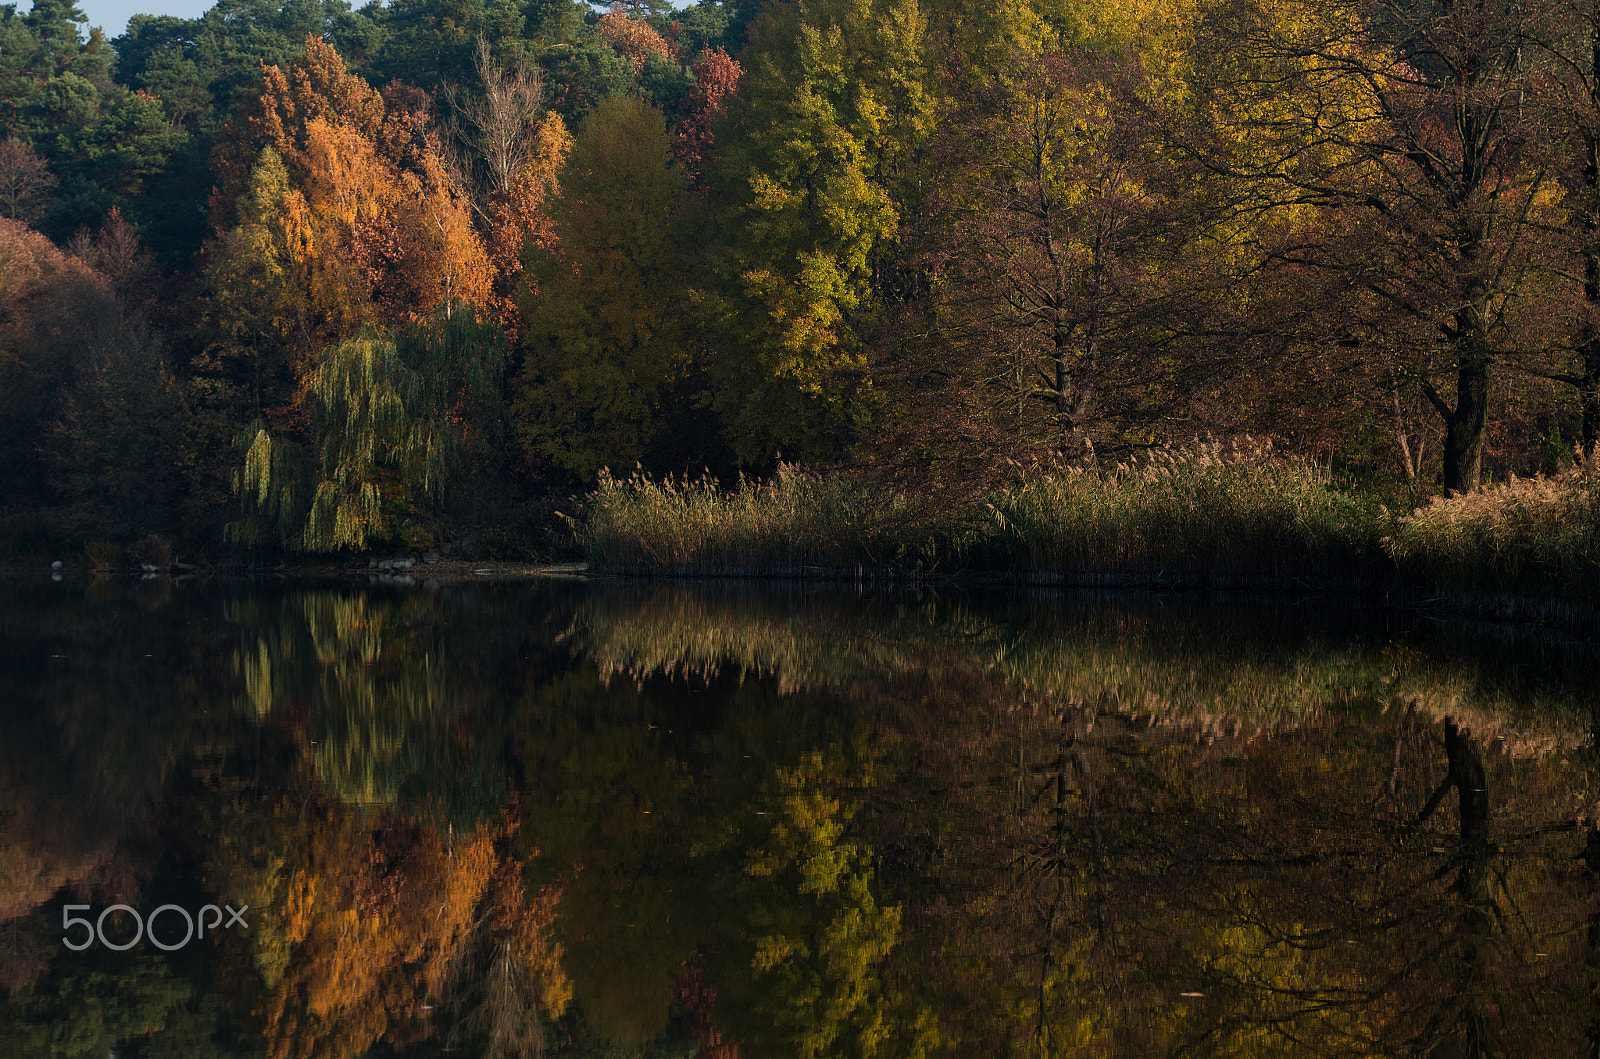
(112, 15)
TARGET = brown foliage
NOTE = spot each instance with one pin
(117, 254)
(25, 182)
(55, 312)
(716, 75)
(634, 38)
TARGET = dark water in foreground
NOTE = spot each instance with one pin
(607, 820)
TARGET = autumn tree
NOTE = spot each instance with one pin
(350, 219)
(1058, 240)
(497, 130)
(1566, 43)
(25, 182)
(607, 341)
(716, 76)
(1405, 125)
(510, 150)
(834, 105)
(56, 315)
(634, 38)
(317, 85)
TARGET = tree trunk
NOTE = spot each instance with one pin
(1465, 425)
(1589, 337)
(1589, 392)
(1472, 1032)
(1589, 340)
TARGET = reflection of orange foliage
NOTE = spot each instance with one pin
(366, 914)
(32, 872)
(380, 923)
(46, 847)
(699, 1000)
(632, 37)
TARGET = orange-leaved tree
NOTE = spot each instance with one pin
(633, 37)
(342, 214)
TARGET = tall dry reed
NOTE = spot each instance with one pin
(1529, 536)
(797, 518)
(1231, 508)
(1213, 508)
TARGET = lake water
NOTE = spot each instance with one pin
(608, 819)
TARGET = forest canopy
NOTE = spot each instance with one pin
(317, 278)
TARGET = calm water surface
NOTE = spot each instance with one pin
(591, 819)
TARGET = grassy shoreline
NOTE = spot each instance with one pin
(1210, 517)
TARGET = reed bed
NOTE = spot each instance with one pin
(1221, 514)
(797, 518)
(1212, 509)
(1530, 536)
(1215, 508)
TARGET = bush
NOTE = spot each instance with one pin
(104, 557)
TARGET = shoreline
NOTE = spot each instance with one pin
(1376, 591)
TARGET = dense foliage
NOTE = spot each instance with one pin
(903, 237)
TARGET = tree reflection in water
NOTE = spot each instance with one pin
(613, 820)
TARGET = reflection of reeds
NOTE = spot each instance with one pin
(1534, 536)
(1213, 679)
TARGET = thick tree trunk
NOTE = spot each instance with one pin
(1589, 338)
(1465, 425)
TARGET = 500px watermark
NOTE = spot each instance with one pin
(194, 926)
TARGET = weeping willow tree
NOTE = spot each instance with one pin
(390, 419)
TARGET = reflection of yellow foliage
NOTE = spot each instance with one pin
(381, 705)
(820, 951)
